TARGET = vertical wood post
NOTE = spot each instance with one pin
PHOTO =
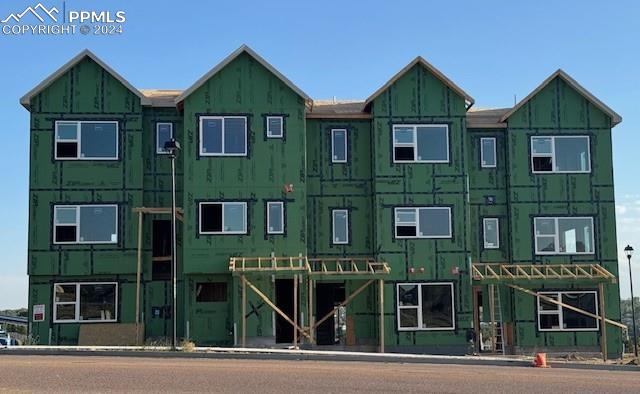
(381, 307)
(138, 269)
(295, 311)
(603, 323)
(244, 311)
(310, 311)
(492, 313)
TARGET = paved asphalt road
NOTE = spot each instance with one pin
(118, 374)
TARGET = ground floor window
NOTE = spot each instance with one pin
(211, 292)
(425, 306)
(85, 302)
(553, 317)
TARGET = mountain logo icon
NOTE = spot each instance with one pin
(38, 11)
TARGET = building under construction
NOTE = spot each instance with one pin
(407, 222)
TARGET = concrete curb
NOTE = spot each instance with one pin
(285, 354)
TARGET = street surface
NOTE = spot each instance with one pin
(120, 374)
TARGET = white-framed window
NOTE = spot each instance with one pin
(164, 134)
(88, 302)
(223, 136)
(491, 233)
(560, 154)
(338, 145)
(564, 235)
(86, 140)
(488, 158)
(223, 217)
(275, 217)
(340, 226)
(85, 224)
(425, 306)
(421, 143)
(275, 126)
(422, 222)
(553, 317)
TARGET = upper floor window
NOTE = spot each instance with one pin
(425, 306)
(223, 218)
(223, 136)
(564, 235)
(340, 233)
(491, 233)
(488, 152)
(164, 133)
(85, 224)
(423, 222)
(422, 143)
(275, 127)
(338, 145)
(554, 317)
(86, 140)
(275, 217)
(560, 154)
(85, 302)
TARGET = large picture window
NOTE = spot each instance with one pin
(564, 235)
(85, 224)
(422, 143)
(223, 218)
(86, 140)
(422, 222)
(425, 306)
(85, 302)
(560, 154)
(553, 317)
(223, 136)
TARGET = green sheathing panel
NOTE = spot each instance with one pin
(245, 87)
(420, 97)
(85, 92)
(560, 110)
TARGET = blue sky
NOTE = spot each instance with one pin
(492, 49)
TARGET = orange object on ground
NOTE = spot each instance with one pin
(540, 361)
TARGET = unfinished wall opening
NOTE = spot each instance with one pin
(211, 292)
(161, 250)
(284, 302)
(328, 296)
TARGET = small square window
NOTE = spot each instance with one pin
(275, 126)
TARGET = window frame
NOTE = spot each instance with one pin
(223, 119)
(333, 226)
(77, 224)
(484, 232)
(553, 154)
(346, 146)
(414, 144)
(282, 217)
(417, 223)
(78, 140)
(222, 232)
(560, 310)
(76, 318)
(495, 153)
(269, 134)
(419, 307)
(556, 236)
(160, 150)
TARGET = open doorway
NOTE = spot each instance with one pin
(161, 250)
(332, 330)
(284, 302)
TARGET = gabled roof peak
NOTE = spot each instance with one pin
(244, 48)
(437, 73)
(26, 99)
(559, 73)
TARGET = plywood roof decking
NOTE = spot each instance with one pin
(486, 118)
(161, 97)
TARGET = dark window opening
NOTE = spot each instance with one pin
(575, 320)
(406, 231)
(161, 238)
(549, 322)
(67, 149)
(404, 153)
(542, 164)
(65, 234)
(211, 218)
(211, 292)
(161, 270)
(437, 306)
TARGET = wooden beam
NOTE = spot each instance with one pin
(381, 308)
(567, 306)
(492, 315)
(138, 269)
(244, 310)
(295, 311)
(343, 303)
(274, 307)
(603, 327)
